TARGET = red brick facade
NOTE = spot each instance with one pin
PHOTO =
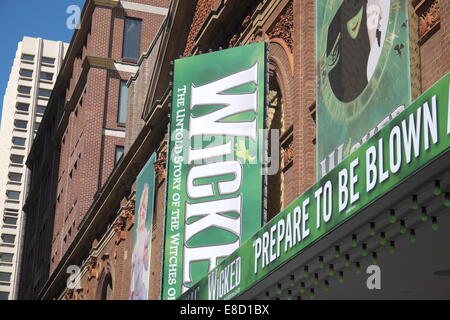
(86, 103)
(289, 28)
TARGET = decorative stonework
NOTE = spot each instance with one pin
(245, 23)
(120, 224)
(128, 212)
(283, 26)
(91, 265)
(287, 147)
(414, 56)
(79, 294)
(429, 17)
(69, 294)
(202, 11)
(160, 167)
(288, 154)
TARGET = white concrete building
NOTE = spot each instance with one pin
(32, 77)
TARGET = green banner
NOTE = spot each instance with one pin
(363, 77)
(215, 186)
(142, 234)
(408, 143)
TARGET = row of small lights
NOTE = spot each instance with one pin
(309, 289)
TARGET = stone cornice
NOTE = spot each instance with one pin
(98, 62)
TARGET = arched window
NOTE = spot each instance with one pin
(106, 287)
(275, 124)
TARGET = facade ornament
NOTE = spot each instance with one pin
(69, 294)
(91, 265)
(429, 18)
(120, 224)
(288, 148)
(283, 26)
(288, 156)
(160, 167)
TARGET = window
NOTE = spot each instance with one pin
(18, 141)
(16, 177)
(40, 110)
(132, 39)
(119, 154)
(36, 126)
(26, 73)
(46, 76)
(12, 195)
(24, 89)
(3, 295)
(17, 159)
(6, 257)
(123, 101)
(9, 220)
(275, 189)
(22, 106)
(47, 60)
(44, 93)
(5, 276)
(20, 124)
(106, 292)
(27, 57)
(8, 238)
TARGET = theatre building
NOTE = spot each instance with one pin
(277, 149)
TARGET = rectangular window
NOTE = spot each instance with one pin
(17, 159)
(20, 124)
(44, 93)
(119, 154)
(27, 57)
(12, 195)
(8, 238)
(46, 76)
(5, 276)
(22, 106)
(47, 60)
(26, 73)
(3, 295)
(24, 89)
(123, 101)
(6, 257)
(10, 221)
(36, 126)
(132, 39)
(40, 110)
(18, 141)
(16, 177)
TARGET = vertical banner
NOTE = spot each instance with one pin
(214, 195)
(363, 73)
(142, 235)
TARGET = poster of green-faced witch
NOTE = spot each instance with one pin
(142, 235)
(363, 76)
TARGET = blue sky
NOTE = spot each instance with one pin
(34, 18)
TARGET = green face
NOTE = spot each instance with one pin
(354, 24)
(362, 78)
